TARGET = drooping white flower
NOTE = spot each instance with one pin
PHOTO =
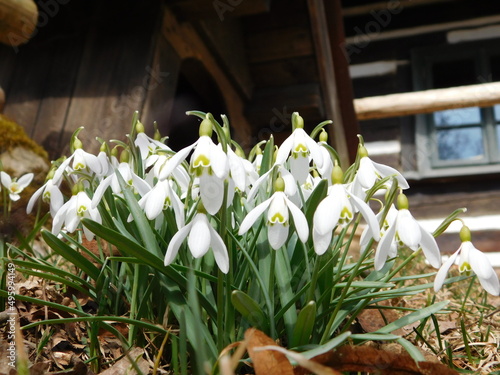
(160, 198)
(15, 186)
(201, 237)
(72, 212)
(298, 148)
(131, 179)
(365, 237)
(370, 172)
(208, 162)
(338, 208)
(407, 231)
(470, 259)
(278, 208)
(50, 193)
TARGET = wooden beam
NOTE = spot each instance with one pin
(412, 103)
(188, 44)
(220, 9)
(368, 8)
(328, 34)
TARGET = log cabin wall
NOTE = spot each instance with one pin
(380, 38)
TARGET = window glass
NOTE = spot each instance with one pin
(459, 116)
(498, 135)
(460, 144)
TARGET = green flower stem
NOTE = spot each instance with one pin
(401, 266)
(134, 303)
(223, 295)
(345, 290)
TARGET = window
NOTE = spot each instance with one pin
(463, 140)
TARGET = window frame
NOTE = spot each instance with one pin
(426, 133)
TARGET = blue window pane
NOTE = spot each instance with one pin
(498, 135)
(460, 144)
(496, 109)
(459, 116)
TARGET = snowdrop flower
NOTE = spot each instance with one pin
(201, 237)
(297, 148)
(81, 161)
(278, 207)
(470, 259)
(407, 231)
(365, 237)
(15, 186)
(209, 163)
(73, 211)
(160, 198)
(50, 193)
(338, 208)
(288, 179)
(370, 172)
(131, 179)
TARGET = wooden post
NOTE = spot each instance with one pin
(412, 103)
(328, 33)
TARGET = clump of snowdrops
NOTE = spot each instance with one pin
(213, 241)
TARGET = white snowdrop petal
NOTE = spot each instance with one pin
(277, 235)
(384, 247)
(430, 248)
(175, 243)
(252, 216)
(443, 271)
(199, 236)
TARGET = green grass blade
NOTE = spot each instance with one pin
(71, 255)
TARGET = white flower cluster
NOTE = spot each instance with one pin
(217, 178)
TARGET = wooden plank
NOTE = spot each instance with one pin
(225, 40)
(279, 44)
(220, 9)
(327, 30)
(7, 64)
(293, 71)
(56, 99)
(189, 45)
(161, 86)
(411, 103)
(113, 73)
(28, 84)
(2, 99)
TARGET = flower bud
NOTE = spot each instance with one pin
(323, 136)
(206, 128)
(403, 202)
(279, 184)
(337, 175)
(465, 234)
(297, 121)
(139, 128)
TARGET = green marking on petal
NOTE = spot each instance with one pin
(81, 210)
(201, 161)
(277, 218)
(78, 166)
(464, 267)
(300, 150)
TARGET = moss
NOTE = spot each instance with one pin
(13, 135)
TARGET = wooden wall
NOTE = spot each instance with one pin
(92, 65)
(391, 42)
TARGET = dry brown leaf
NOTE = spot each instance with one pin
(124, 365)
(373, 319)
(371, 360)
(311, 365)
(266, 362)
